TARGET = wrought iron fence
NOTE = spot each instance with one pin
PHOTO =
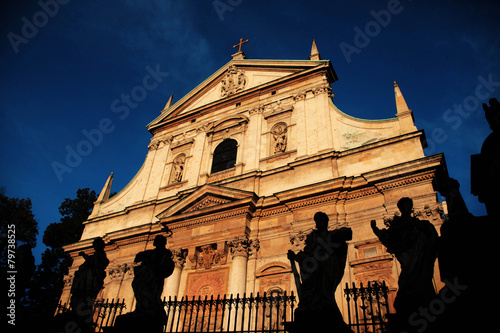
(367, 307)
(105, 312)
(261, 313)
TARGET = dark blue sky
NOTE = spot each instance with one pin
(68, 66)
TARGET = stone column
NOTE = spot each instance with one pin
(173, 281)
(241, 247)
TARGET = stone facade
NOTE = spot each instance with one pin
(296, 153)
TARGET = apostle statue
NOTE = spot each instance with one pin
(322, 264)
(149, 277)
(414, 243)
(89, 278)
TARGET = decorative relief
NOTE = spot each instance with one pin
(298, 239)
(207, 283)
(279, 134)
(434, 215)
(257, 110)
(300, 96)
(179, 257)
(243, 247)
(120, 271)
(157, 143)
(208, 255)
(323, 90)
(233, 82)
(207, 202)
(68, 280)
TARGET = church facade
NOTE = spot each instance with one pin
(236, 170)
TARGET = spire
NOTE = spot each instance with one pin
(314, 52)
(105, 190)
(401, 105)
(169, 103)
(404, 114)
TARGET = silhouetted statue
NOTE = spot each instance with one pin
(87, 282)
(149, 277)
(485, 179)
(322, 264)
(89, 277)
(154, 266)
(414, 243)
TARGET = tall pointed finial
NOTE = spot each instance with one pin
(103, 196)
(401, 105)
(169, 103)
(404, 114)
(314, 52)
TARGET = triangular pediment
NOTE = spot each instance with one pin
(205, 200)
(235, 78)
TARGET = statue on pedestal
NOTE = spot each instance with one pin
(322, 264)
(153, 267)
(414, 243)
(87, 282)
(89, 278)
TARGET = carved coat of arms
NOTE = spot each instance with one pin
(234, 81)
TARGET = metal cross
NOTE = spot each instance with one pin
(240, 43)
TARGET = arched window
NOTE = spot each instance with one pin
(225, 155)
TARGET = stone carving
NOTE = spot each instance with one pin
(178, 168)
(158, 143)
(206, 202)
(279, 133)
(119, 271)
(208, 255)
(233, 82)
(179, 257)
(243, 247)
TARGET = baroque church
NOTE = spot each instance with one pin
(236, 170)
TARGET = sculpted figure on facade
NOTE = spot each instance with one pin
(414, 243)
(279, 132)
(322, 264)
(178, 168)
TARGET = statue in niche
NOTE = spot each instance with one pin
(414, 243)
(322, 264)
(178, 168)
(89, 278)
(279, 132)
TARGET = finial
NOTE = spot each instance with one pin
(169, 103)
(314, 52)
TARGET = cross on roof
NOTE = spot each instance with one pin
(240, 43)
